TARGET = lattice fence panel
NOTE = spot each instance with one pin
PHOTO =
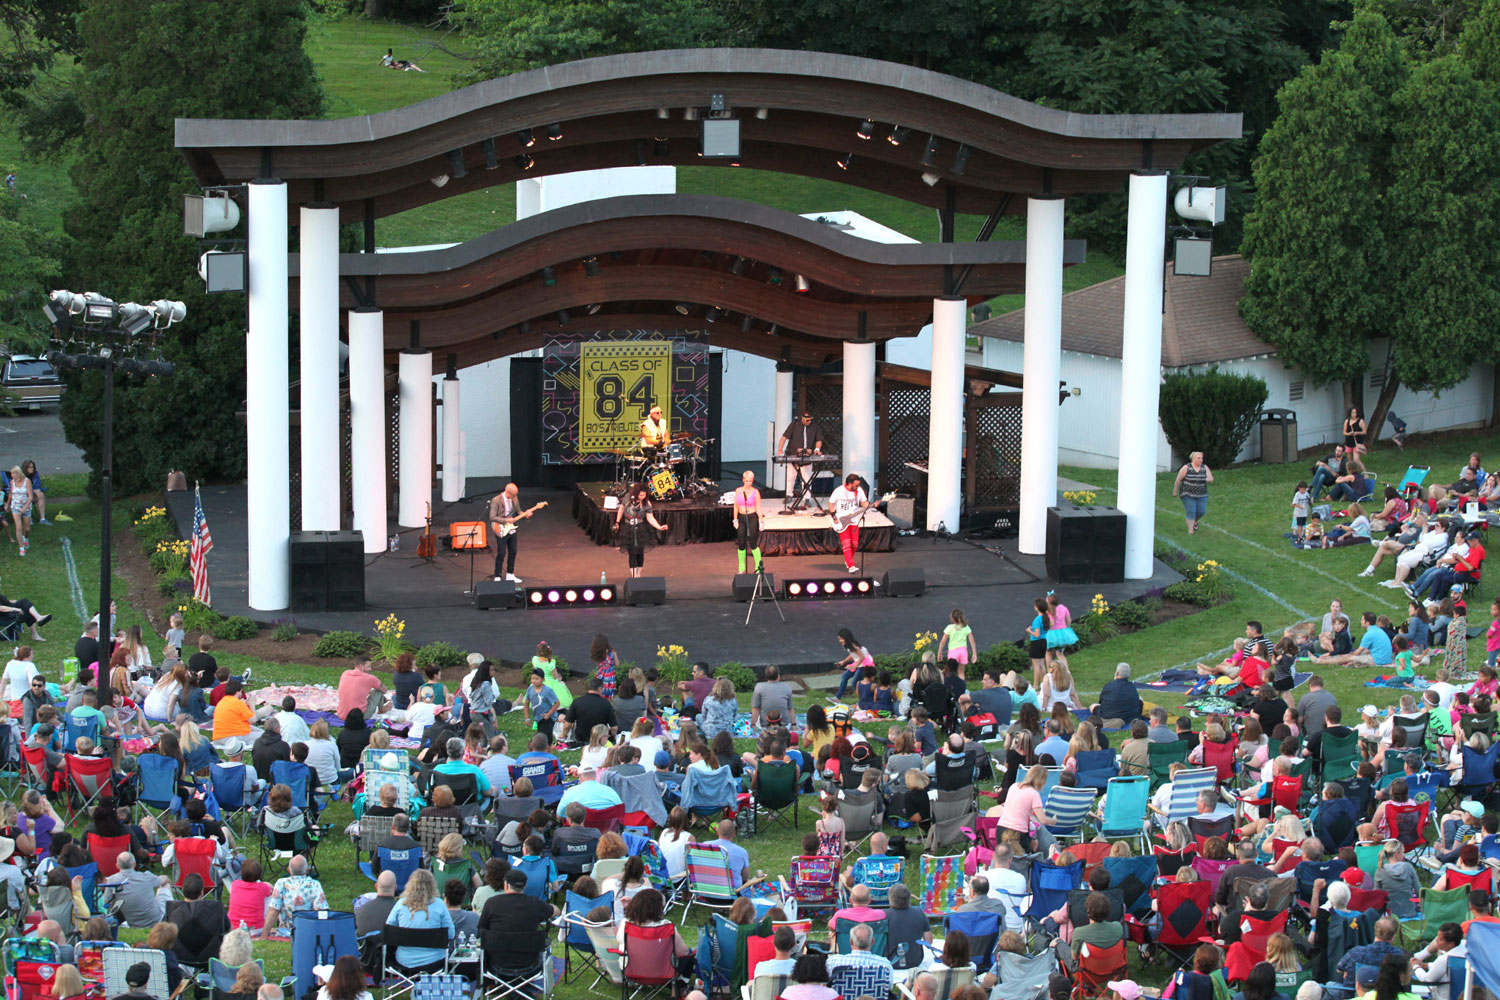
(346, 463)
(392, 444)
(907, 421)
(294, 479)
(995, 438)
(825, 401)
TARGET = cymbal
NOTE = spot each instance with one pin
(682, 436)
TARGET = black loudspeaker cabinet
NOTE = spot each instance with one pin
(327, 571)
(490, 595)
(646, 590)
(910, 582)
(1070, 544)
(1108, 560)
(744, 586)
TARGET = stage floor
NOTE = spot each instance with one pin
(994, 585)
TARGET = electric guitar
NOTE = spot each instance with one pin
(503, 529)
(427, 545)
(842, 521)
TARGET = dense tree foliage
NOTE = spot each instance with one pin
(144, 64)
(28, 266)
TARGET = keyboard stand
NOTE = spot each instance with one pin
(800, 490)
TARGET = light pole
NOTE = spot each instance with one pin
(111, 334)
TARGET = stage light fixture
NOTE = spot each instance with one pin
(664, 113)
(594, 307)
(837, 588)
(683, 308)
(440, 180)
(525, 161)
(535, 597)
(802, 284)
(553, 596)
(773, 276)
(738, 267)
(554, 131)
(570, 596)
(563, 317)
(961, 159)
(527, 137)
(929, 178)
(898, 135)
(491, 160)
(929, 154)
(845, 161)
(549, 277)
(591, 266)
(456, 165)
(866, 128)
(746, 323)
(689, 114)
(661, 148)
(639, 145)
(712, 314)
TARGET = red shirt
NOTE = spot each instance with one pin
(1469, 561)
(216, 694)
(1253, 671)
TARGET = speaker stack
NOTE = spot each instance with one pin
(1085, 544)
(646, 590)
(490, 595)
(327, 571)
(743, 586)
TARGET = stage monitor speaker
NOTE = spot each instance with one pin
(492, 594)
(744, 585)
(902, 511)
(309, 592)
(1070, 544)
(309, 548)
(904, 583)
(646, 590)
(1108, 554)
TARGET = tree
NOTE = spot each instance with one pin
(1444, 205)
(28, 268)
(515, 35)
(145, 63)
(1321, 271)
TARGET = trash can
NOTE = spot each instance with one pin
(1278, 436)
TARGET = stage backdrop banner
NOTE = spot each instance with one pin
(597, 388)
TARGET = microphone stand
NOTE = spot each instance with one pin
(468, 538)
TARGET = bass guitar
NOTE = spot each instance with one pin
(427, 545)
(842, 521)
(502, 529)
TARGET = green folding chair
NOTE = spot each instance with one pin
(1163, 756)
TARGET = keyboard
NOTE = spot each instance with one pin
(823, 459)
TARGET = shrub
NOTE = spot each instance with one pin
(284, 629)
(174, 586)
(1211, 580)
(1212, 412)
(1094, 627)
(198, 617)
(1188, 592)
(1133, 614)
(169, 559)
(671, 672)
(340, 645)
(441, 654)
(899, 664)
(741, 676)
(1002, 656)
(236, 627)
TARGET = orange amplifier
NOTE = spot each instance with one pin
(468, 535)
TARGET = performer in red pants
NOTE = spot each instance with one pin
(845, 505)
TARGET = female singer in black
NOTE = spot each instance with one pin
(631, 519)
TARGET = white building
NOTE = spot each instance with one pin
(1201, 327)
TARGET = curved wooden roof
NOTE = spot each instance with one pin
(658, 255)
(609, 109)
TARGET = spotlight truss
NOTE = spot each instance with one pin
(586, 595)
(827, 589)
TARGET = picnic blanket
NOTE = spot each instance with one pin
(314, 701)
(1185, 681)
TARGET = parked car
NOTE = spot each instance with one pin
(32, 380)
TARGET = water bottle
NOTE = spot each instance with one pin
(603, 578)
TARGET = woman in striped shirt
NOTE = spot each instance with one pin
(1192, 486)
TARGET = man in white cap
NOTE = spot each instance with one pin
(234, 754)
(11, 875)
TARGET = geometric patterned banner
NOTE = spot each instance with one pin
(598, 387)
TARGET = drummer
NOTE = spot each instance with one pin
(653, 434)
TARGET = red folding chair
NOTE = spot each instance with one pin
(1091, 854)
(1096, 967)
(31, 980)
(89, 779)
(34, 759)
(604, 820)
(195, 856)
(1407, 822)
(1251, 947)
(1286, 791)
(648, 965)
(1220, 756)
(105, 852)
(1455, 879)
(1184, 908)
(1361, 900)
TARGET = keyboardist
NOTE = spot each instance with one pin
(802, 437)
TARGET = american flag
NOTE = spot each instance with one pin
(203, 544)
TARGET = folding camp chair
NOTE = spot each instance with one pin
(1070, 807)
(76, 728)
(851, 979)
(284, 837)
(1411, 483)
(717, 943)
(195, 856)
(523, 982)
(32, 949)
(88, 956)
(445, 987)
(1286, 791)
(775, 794)
(1308, 872)
(766, 987)
(1096, 967)
(1211, 870)
(1477, 779)
(710, 883)
(1096, 767)
(157, 792)
(34, 768)
(1124, 810)
(89, 779)
(545, 776)
(1054, 778)
(647, 961)
(942, 882)
(32, 980)
(575, 935)
(396, 979)
(1407, 822)
(117, 961)
(106, 851)
(373, 831)
(1134, 878)
(706, 794)
(983, 930)
(1050, 885)
(951, 812)
(466, 797)
(1338, 756)
(606, 950)
(461, 869)
(1415, 726)
(542, 879)
(878, 873)
(1202, 829)
(1220, 757)
(1024, 977)
(297, 777)
(861, 813)
(1369, 899)
(429, 831)
(607, 820)
(1183, 802)
(319, 937)
(228, 784)
(1283, 891)
(1163, 756)
(1185, 908)
(949, 981)
(1170, 862)
(813, 883)
(1251, 947)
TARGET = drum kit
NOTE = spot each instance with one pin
(671, 472)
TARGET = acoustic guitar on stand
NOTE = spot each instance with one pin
(502, 529)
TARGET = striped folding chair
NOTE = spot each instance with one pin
(1183, 801)
(710, 883)
(1070, 807)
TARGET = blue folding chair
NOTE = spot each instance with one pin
(90, 875)
(1054, 775)
(158, 793)
(541, 875)
(1458, 975)
(545, 776)
(1134, 876)
(1489, 847)
(319, 937)
(1070, 807)
(295, 776)
(74, 728)
(576, 937)
(1125, 805)
(228, 784)
(705, 793)
(1050, 885)
(1096, 767)
(983, 930)
(879, 875)
(1478, 775)
(401, 863)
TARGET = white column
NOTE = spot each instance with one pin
(781, 416)
(1042, 367)
(414, 431)
(1140, 367)
(318, 274)
(367, 424)
(453, 448)
(945, 421)
(267, 426)
(859, 409)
